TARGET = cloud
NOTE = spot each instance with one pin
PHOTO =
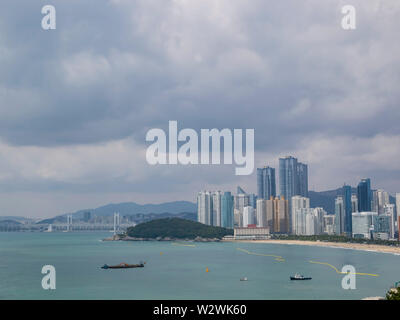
(76, 102)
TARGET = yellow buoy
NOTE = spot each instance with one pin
(160, 253)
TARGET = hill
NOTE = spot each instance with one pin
(176, 228)
(129, 209)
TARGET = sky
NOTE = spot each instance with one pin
(76, 102)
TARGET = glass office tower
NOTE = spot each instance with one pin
(364, 195)
(347, 210)
(266, 184)
(227, 210)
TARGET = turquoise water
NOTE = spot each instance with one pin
(180, 271)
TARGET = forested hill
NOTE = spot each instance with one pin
(176, 228)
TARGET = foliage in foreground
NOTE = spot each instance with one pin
(393, 294)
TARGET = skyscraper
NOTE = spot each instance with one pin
(388, 210)
(302, 179)
(248, 216)
(278, 215)
(288, 178)
(363, 224)
(204, 207)
(354, 203)
(227, 210)
(346, 192)
(364, 195)
(293, 178)
(298, 202)
(241, 200)
(339, 215)
(380, 198)
(216, 208)
(398, 210)
(261, 213)
(266, 184)
(253, 200)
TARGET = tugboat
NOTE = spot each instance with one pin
(124, 266)
(299, 277)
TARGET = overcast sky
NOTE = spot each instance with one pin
(76, 102)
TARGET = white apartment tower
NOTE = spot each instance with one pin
(298, 202)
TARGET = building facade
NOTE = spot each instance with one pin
(346, 192)
(298, 202)
(278, 215)
(364, 195)
(227, 210)
(363, 224)
(388, 210)
(266, 183)
(339, 215)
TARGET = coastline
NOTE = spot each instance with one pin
(338, 245)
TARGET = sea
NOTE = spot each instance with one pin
(185, 270)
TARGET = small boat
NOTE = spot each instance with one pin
(124, 266)
(243, 279)
(299, 277)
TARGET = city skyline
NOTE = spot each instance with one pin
(360, 212)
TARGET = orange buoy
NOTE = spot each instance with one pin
(206, 269)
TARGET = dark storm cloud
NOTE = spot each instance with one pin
(114, 69)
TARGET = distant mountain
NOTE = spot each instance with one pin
(9, 222)
(16, 218)
(324, 199)
(131, 208)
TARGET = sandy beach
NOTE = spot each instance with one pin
(353, 246)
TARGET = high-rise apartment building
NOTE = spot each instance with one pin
(298, 202)
(398, 208)
(293, 178)
(346, 194)
(278, 215)
(227, 210)
(216, 208)
(248, 216)
(388, 210)
(363, 224)
(380, 198)
(204, 207)
(339, 215)
(261, 213)
(364, 195)
(329, 224)
(354, 203)
(266, 183)
(309, 221)
(302, 181)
